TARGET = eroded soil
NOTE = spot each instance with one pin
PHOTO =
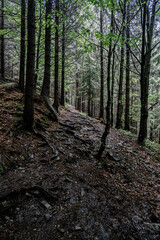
(52, 187)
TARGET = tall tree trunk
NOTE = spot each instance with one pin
(101, 114)
(2, 42)
(63, 66)
(89, 96)
(29, 91)
(112, 88)
(56, 70)
(120, 92)
(47, 67)
(83, 103)
(38, 44)
(108, 108)
(148, 23)
(22, 51)
(127, 124)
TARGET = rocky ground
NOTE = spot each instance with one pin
(52, 187)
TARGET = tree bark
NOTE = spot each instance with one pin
(101, 114)
(148, 23)
(56, 71)
(108, 108)
(29, 91)
(127, 124)
(120, 92)
(112, 88)
(63, 66)
(2, 42)
(38, 45)
(47, 67)
(22, 51)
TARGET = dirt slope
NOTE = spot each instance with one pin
(52, 187)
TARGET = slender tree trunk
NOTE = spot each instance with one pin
(127, 124)
(22, 51)
(112, 88)
(108, 108)
(77, 92)
(148, 22)
(29, 91)
(89, 97)
(56, 71)
(2, 42)
(101, 114)
(83, 103)
(47, 69)
(38, 44)
(120, 92)
(63, 66)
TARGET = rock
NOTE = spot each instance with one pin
(147, 162)
(77, 228)
(105, 235)
(136, 219)
(11, 134)
(48, 216)
(61, 230)
(118, 198)
(20, 218)
(36, 213)
(82, 192)
(111, 156)
(58, 158)
(46, 204)
(31, 156)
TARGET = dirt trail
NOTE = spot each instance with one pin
(52, 187)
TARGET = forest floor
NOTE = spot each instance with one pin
(52, 187)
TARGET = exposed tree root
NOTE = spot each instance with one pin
(51, 109)
(46, 140)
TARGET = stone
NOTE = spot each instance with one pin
(48, 216)
(119, 198)
(82, 192)
(61, 230)
(20, 218)
(31, 156)
(136, 219)
(46, 204)
(77, 228)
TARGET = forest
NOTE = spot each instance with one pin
(79, 119)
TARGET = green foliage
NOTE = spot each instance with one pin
(153, 145)
(128, 133)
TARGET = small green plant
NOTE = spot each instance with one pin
(155, 146)
(17, 122)
(19, 108)
(1, 169)
(127, 132)
(6, 106)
